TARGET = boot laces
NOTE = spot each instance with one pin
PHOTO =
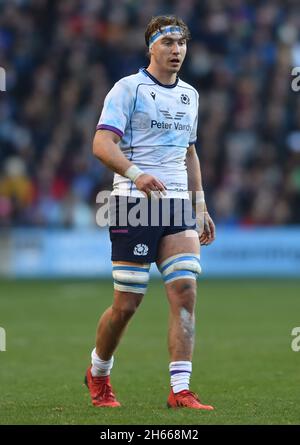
(190, 395)
(105, 390)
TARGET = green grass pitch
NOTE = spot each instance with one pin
(243, 361)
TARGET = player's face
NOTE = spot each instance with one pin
(169, 53)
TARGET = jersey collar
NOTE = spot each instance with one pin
(173, 85)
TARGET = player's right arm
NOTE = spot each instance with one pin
(107, 150)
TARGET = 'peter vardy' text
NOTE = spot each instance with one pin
(170, 126)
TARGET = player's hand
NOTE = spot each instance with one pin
(209, 231)
(150, 184)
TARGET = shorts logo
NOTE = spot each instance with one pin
(185, 99)
(140, 249)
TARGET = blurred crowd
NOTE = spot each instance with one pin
(62, 57)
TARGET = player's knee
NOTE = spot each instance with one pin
(181, 266)
(127, 301)
(132, 279)
(183, 296)
(186, 291)
(124, 313)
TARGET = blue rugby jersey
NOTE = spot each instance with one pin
(156, 123)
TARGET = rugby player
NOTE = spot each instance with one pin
(146, 134)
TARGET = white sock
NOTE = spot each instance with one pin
(100, 368)
(180, 373)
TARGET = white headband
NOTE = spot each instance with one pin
(163, 32)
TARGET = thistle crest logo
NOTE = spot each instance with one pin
(185, 99)
(140, 250)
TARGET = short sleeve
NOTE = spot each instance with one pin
(117, 109)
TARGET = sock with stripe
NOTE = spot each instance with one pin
(180, 373)
(100, 368)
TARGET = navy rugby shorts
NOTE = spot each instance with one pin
(137, 225)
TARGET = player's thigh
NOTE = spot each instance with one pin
(186, 241)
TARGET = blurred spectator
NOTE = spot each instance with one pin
(61, 58)
(16, 190)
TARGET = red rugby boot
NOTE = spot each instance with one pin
(186, 399)
(100, 390)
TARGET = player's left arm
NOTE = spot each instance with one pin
(207, 233)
